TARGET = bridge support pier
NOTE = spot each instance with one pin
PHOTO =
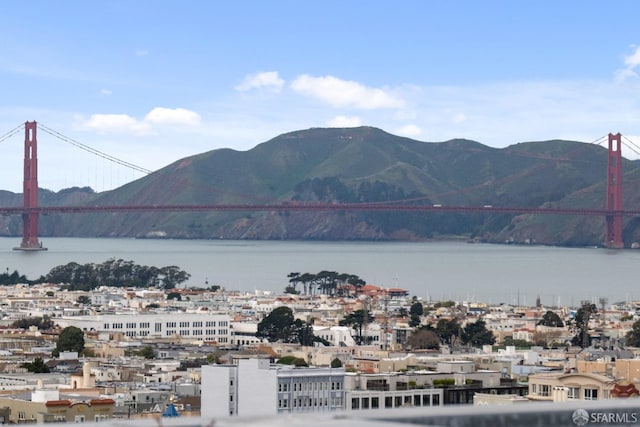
(30, 215)
(613, 234)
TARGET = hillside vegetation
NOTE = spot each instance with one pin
(351, 165)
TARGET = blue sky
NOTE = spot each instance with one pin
(154, 81)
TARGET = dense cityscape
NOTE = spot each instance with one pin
(329, 342)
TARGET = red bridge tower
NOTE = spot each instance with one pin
(613, 236)
(30, 191)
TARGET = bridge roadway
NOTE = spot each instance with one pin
(290, 207)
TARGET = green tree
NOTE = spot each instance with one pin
(416, 308)
(336, 363)
(551, 318)
(292, 360)
(290, 289)
(415, 312)
(356, 282)
(172, 277)
(146, 352)
(633, 336)
(281, 325)
(476, 334)
(276, 325)
(37, 366)
(448, 330)
(294, 279)
(42, 323)
(71, 338)
(356, 320)
(581, 324)
(302, 333)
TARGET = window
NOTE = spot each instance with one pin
(545, 390)
(590, 394)
(425, 400)
(574, 393)
(375, 402)
(355, 403)
(388, 402)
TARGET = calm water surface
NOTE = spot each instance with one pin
(436, 270)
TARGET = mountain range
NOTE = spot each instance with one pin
(355, 165)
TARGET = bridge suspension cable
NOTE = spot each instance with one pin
(632, 145)
(92, 150)
(11, 133)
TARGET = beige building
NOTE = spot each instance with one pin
(45, 407)
(557, 387)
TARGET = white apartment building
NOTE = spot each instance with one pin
(335, 335)
(210, 327)
(255, 387)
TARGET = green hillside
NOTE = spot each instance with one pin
(357, 165)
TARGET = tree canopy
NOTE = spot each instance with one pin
(70, 338)
(281, 325)
(292, 360)
(415, 312)
(551, 318)
(356, 320)
(42, 323)
(326, 282)
(581, 324)
(424, 338)
(116, 273)
(13, 278)
(448, 330)
(37, 366)
(633, 336)
(476, 334)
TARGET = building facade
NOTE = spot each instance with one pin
(209, 327)
(255, 387)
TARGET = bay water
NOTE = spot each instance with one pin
(430, 270)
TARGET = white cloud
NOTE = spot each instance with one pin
(633, 60)
(344, 122)
(410, 131)
(105, 92)
(142, 52)
(630, 62)
(458, 118)
(172, 116)
(123, 123)
(119, 123)
(345, 93)
(266, 80)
